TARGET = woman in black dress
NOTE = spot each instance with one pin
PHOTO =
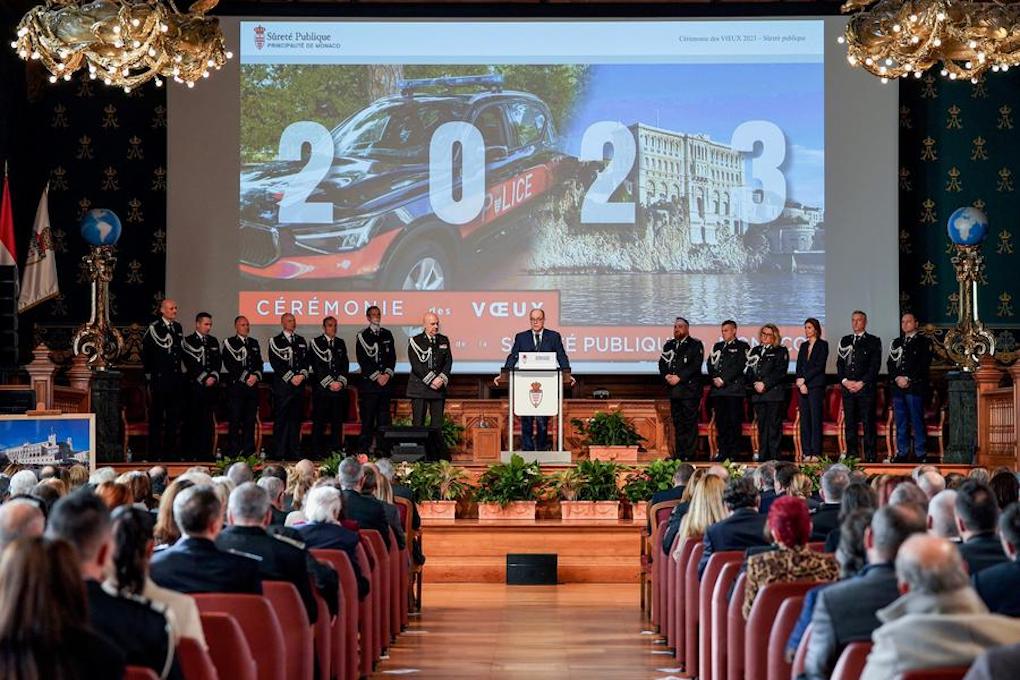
(811, 359)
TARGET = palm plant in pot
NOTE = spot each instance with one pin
(437, 487)
(642, 483)
(589, 491)
(510, 490)
(609, 435)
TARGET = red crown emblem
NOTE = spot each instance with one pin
(260, 37)
(536, 394)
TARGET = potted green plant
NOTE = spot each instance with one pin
(609, 435)
(253, 461)
(589, 491)
(510, 490)
(436, 488)
(642, 483)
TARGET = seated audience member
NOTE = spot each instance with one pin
(300, 478)
(223, 486)
(239, 473)
(998, 663)
(274, 489)
(942, 516)
(141, 488)
(999, 585)
(803, 487)
(20, 518)
(323, 508)
(1006, 489)
(114, 494)
(680, 509)
(939, 620)
(77, 476)
(44, 630)
(279, 558)
(886, 484)
(706, 509)
(979, 474)
(785, 473)
(931, 483)
(137, 626)
(166, 531)
(765, 480)
(132, 538)
(789, 522)
(385, 466)
(845, 611)
(857, 496)
(194, 564)
(378, 487)
(908, 492)
(825, 518)
(954, 480)
(48, 493)
(103, 474)
(22, 483)
(674, 493)
(358, 506)
(158, 480)
(744, 528)
(976, 516)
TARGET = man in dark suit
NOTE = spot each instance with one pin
(161, 357)
(908, 364)
(976, 515)
(135, 625)
(998, 663)
(431, 359)
(744, 528)
(377, 358)
(825, 517)
(860, 358)
(242, 366)
(999, 585)
(538, 339)
(845, 611)
(330, 368)
(674, 493)
(202, 363)
(279, 558)
(726, 368)
(274, 489)
(288, 355)
(194, 564)
(367, 511)
(765, 476)
(680, 368)
(323, 508)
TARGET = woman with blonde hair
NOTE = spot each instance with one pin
(766, 369)
(166, 531)
(706, 509)
(803, 487)
(375, 484)
(680, 509)
(300, 478)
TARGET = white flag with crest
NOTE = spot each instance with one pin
(39, 281)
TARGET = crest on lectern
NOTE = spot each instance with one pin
(536, 394)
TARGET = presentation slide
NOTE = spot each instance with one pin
(615, 174)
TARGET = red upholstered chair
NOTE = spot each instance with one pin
(777, 666)
(791, 423)
(691, 611)
(832, 412)
(323, 637)
(221, 423)
(229, 649)
(763, 619)
(352, 426)
(720, 618)
(139, 673)
(706, 423)
(749, 426)
(134, 413)
(735, 631)
(257, 620)
(935, 421)
(851, 662)
(263, 417)
(670, 584)
(195, 662)
(345, 628)
(397, 605)
(382, 558)
(953, 673)
(369, 610)
(297, 632)
(654, 564)
(675, 594)
(410, 575)
(705, 590)
(800, 658)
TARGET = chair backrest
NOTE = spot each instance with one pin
(735, 631)
(833, 403)
(953, 673)
(195, 662)
(852, 661)
(692, 610)
(793, 406)
(406, 508)
(139, 673)
(228, 647)
(703, 411)
(297, 632)
(324, 637)
(377, 547)
(778, 667)
(675, 593)
(720, 618)
(800, 658)
(371, 614)
(706, 587)
(350, 612)
(353, 416)
(763, 619)
(659, 513)
(261, 629)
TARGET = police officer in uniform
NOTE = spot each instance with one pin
(242, 365)
(908, 364)
(680, 367)
(431, 362)
(377, 358)
(766, 369)
(288, 355)
(330, 367)
(857, 366)
(161, 357)
(202, 369)
(726, 366)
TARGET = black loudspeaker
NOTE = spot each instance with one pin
(409, 443)
(8, 318)
(14, 401)
(531, 570)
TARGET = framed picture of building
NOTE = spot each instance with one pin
(35, 441)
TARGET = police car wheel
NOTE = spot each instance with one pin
(424, 267)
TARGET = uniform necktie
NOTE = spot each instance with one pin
(538, 340)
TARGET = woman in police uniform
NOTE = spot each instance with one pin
(766, 374)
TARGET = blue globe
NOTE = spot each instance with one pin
(100, 227)
(967, 226)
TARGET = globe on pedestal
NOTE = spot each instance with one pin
(967, 226)
(100, 227)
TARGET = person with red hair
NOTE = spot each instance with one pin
(789, 522)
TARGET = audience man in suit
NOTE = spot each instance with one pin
(323, 507)
(279, 558)
(137, 626)
(845, 611)
(274, 489)
(825, 518)
(942, 516)
(674, 493)
(939, 620)
(999, 585)
(194, 564)
(765, 477)
(367, 511)
(931, 483)
(20, 518)
(998, 663)
(976, 515)
(744, 528)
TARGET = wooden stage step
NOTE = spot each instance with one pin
(474, 551)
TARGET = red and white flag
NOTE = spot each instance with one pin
(7, 249)
(40, 278)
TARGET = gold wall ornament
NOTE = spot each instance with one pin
(969, 340)
(97, 339)
(123, 43)
(895, 39)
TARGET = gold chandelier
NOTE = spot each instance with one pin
(893, 39)
(123, 43)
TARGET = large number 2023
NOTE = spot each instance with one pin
(761, 199)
